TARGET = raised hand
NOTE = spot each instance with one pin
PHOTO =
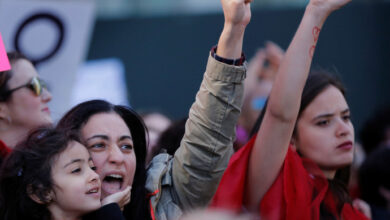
(274, 56)
(363, 207)
(237, 16)
(237, 12)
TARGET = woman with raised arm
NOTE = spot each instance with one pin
(115, 135)
(291, 168)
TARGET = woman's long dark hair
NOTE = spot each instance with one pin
(316, 83)
(27, 171)
(79, 115)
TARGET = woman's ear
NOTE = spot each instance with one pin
(33, 195)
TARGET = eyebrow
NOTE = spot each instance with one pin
(329, 115)
(105, 137)
(74, 161)
(125, 137)
(77, 161)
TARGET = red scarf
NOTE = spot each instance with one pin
(296, 194)
(4, 150)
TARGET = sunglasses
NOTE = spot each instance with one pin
(36, 85)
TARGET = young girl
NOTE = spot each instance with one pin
(50, 176)
(292, 169)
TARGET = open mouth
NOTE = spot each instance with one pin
(94, 190)
(112, 183)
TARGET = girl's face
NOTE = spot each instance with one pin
(325, 133)
(76, 185)
(25, 108)
(109, 141)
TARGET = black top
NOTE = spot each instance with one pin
(110, 211)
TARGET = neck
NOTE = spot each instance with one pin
(329, 174)
(59, 214)
(13, 135)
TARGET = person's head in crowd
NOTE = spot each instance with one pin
(261, 74)
(376, 130)
(116, 139)
(264, 67)
(323, 122)
(48, 176)
(23, 100)
(156, 123)
(169, 140)
(374, 181)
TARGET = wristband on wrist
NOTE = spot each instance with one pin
(236, 62)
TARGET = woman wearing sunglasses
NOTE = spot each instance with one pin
(23, 102)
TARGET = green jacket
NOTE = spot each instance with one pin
(190, 178)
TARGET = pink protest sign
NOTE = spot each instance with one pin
(4, 62)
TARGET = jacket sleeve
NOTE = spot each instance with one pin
(207, 144)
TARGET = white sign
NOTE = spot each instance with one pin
(101, 79)
(53, 34)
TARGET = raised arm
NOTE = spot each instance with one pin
(207, 144)
(276, 130)
(237, 16)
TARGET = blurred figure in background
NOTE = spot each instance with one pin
(374, 182)
(23, 102)
(169, 140)
(156, 123)
(261, 73)
(376, 130)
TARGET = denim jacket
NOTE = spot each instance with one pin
(190, 178)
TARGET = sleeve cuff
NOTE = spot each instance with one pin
(223, 72)
(236, 62)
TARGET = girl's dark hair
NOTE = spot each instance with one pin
(316, 83)
(6, 75)
(79, 115)
(27, 171)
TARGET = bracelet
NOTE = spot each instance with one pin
(236, 62)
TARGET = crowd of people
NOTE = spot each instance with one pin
(282, 148)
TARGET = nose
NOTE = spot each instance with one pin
(93, 176)
(116, 155)
(344, 128)
(46, 95)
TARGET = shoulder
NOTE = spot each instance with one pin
(158, 172)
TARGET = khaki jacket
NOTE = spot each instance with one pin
(190, 178)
